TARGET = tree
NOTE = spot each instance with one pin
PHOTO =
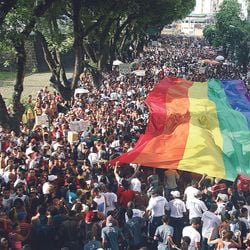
(209, 33)
(231, 33)
(243, 47)
(100, 31)
(16, 27)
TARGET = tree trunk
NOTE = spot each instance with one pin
(4, 116)
(18, 108)
(78, 47)
(58, 79)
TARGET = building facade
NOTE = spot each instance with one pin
(204, 13)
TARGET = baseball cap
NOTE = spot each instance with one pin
(52, 177)
(175, 193)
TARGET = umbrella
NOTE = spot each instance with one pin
(210, 62)
(219, 58)
(117, 63)
(139, 72)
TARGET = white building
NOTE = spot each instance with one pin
(204, 13)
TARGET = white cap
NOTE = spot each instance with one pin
(52, 177)
(175, 193)
(29, 151)
(223, 197)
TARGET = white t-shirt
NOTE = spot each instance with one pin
(136, 213)
(46, 188)
(101, 203)
(193, 234)
(190, 192)
(136, 185)
(111, 199)
(177, 208)
(196, 208)
(93, 158)
(210, 220)
(157, 205)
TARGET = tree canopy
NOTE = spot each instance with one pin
(230, 32)
(98, 31)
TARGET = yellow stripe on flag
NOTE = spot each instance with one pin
(203, 152)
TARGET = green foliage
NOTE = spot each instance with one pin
(230, 32)
(57, 29)
(209, 33)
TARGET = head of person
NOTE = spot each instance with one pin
(175, 194)
(42, 210)
(185, 242)
(95, 191)
(213, 207)
(131, 205)
(165, 219)
(19, 190)
(130, 213)
(228, 235)
(222, 198)
(244, 212)
(198, 194)
(125, 184)
(109, 221)
(196, 222)
(4, 244)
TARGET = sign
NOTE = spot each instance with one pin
(154, 43)
(42, 120)
(202, 70)
(72, 137)
(124, 68)
(80, 91)
(79, 126)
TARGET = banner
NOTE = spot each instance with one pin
(42, 120)
(79, 126)
(124, 68)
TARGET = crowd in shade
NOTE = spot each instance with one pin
(58, 190)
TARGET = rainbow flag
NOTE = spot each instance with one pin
(201, 127)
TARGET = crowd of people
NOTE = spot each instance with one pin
(59, 191)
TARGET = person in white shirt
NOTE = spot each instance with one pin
(177, 211)
(99, 198)
(136, 184)
(210, 220)
(193, 234)
(190, 192)
(196, 206)
(21, 178)
(136, 212)
(221, 201)
(157, 206)
(111, 200)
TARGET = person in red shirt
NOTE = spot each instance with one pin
(126, 195)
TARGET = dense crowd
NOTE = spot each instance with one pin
(58, 190)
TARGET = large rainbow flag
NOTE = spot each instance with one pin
(201, 127)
